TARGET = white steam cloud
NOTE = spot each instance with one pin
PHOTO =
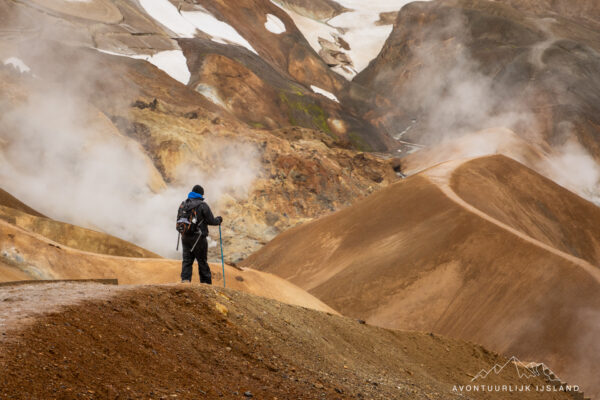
(73, 168)
(447, 94)
(573, 167)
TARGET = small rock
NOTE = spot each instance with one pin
(222, 309)
(340, 391)
(318, 385)
(248, 394)
(361, 321)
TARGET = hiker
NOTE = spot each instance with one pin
(193, 218)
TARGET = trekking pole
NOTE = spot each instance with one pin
(197, 240)
(195, 243)
(177, 248)
(222, 261)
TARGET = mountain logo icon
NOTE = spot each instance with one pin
(524, 370)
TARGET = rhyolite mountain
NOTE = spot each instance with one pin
(539, 58)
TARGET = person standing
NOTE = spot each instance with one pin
(193, 218)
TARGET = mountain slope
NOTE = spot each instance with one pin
(537, 207)
(8, 200)
(461, 66)
(74, 236)
(417, 256)
(182, 342)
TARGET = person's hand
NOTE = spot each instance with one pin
(219, 219)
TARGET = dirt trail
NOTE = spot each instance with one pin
(441, 174)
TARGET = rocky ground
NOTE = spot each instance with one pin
(93, 341)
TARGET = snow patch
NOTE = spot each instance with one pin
(135, 56)
(325, 93)
(210, 25)
(168, 15)
(18, 64)
(173, 62)
(274, 24)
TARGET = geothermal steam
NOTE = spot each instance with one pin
(454, 104)
(67, 165)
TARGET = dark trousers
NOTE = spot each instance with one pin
(200, 254)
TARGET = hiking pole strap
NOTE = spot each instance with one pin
(178, 236)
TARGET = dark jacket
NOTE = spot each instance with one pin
(205, 215)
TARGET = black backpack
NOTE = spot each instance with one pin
(187, 218)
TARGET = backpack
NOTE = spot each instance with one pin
(187, 219)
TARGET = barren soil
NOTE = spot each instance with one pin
(187, 342)
(417, 256)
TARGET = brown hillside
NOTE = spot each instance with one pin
(20, 214)
(74, 236)
(8, 200)
(416, 256)
(189, 343)
(519, 197)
